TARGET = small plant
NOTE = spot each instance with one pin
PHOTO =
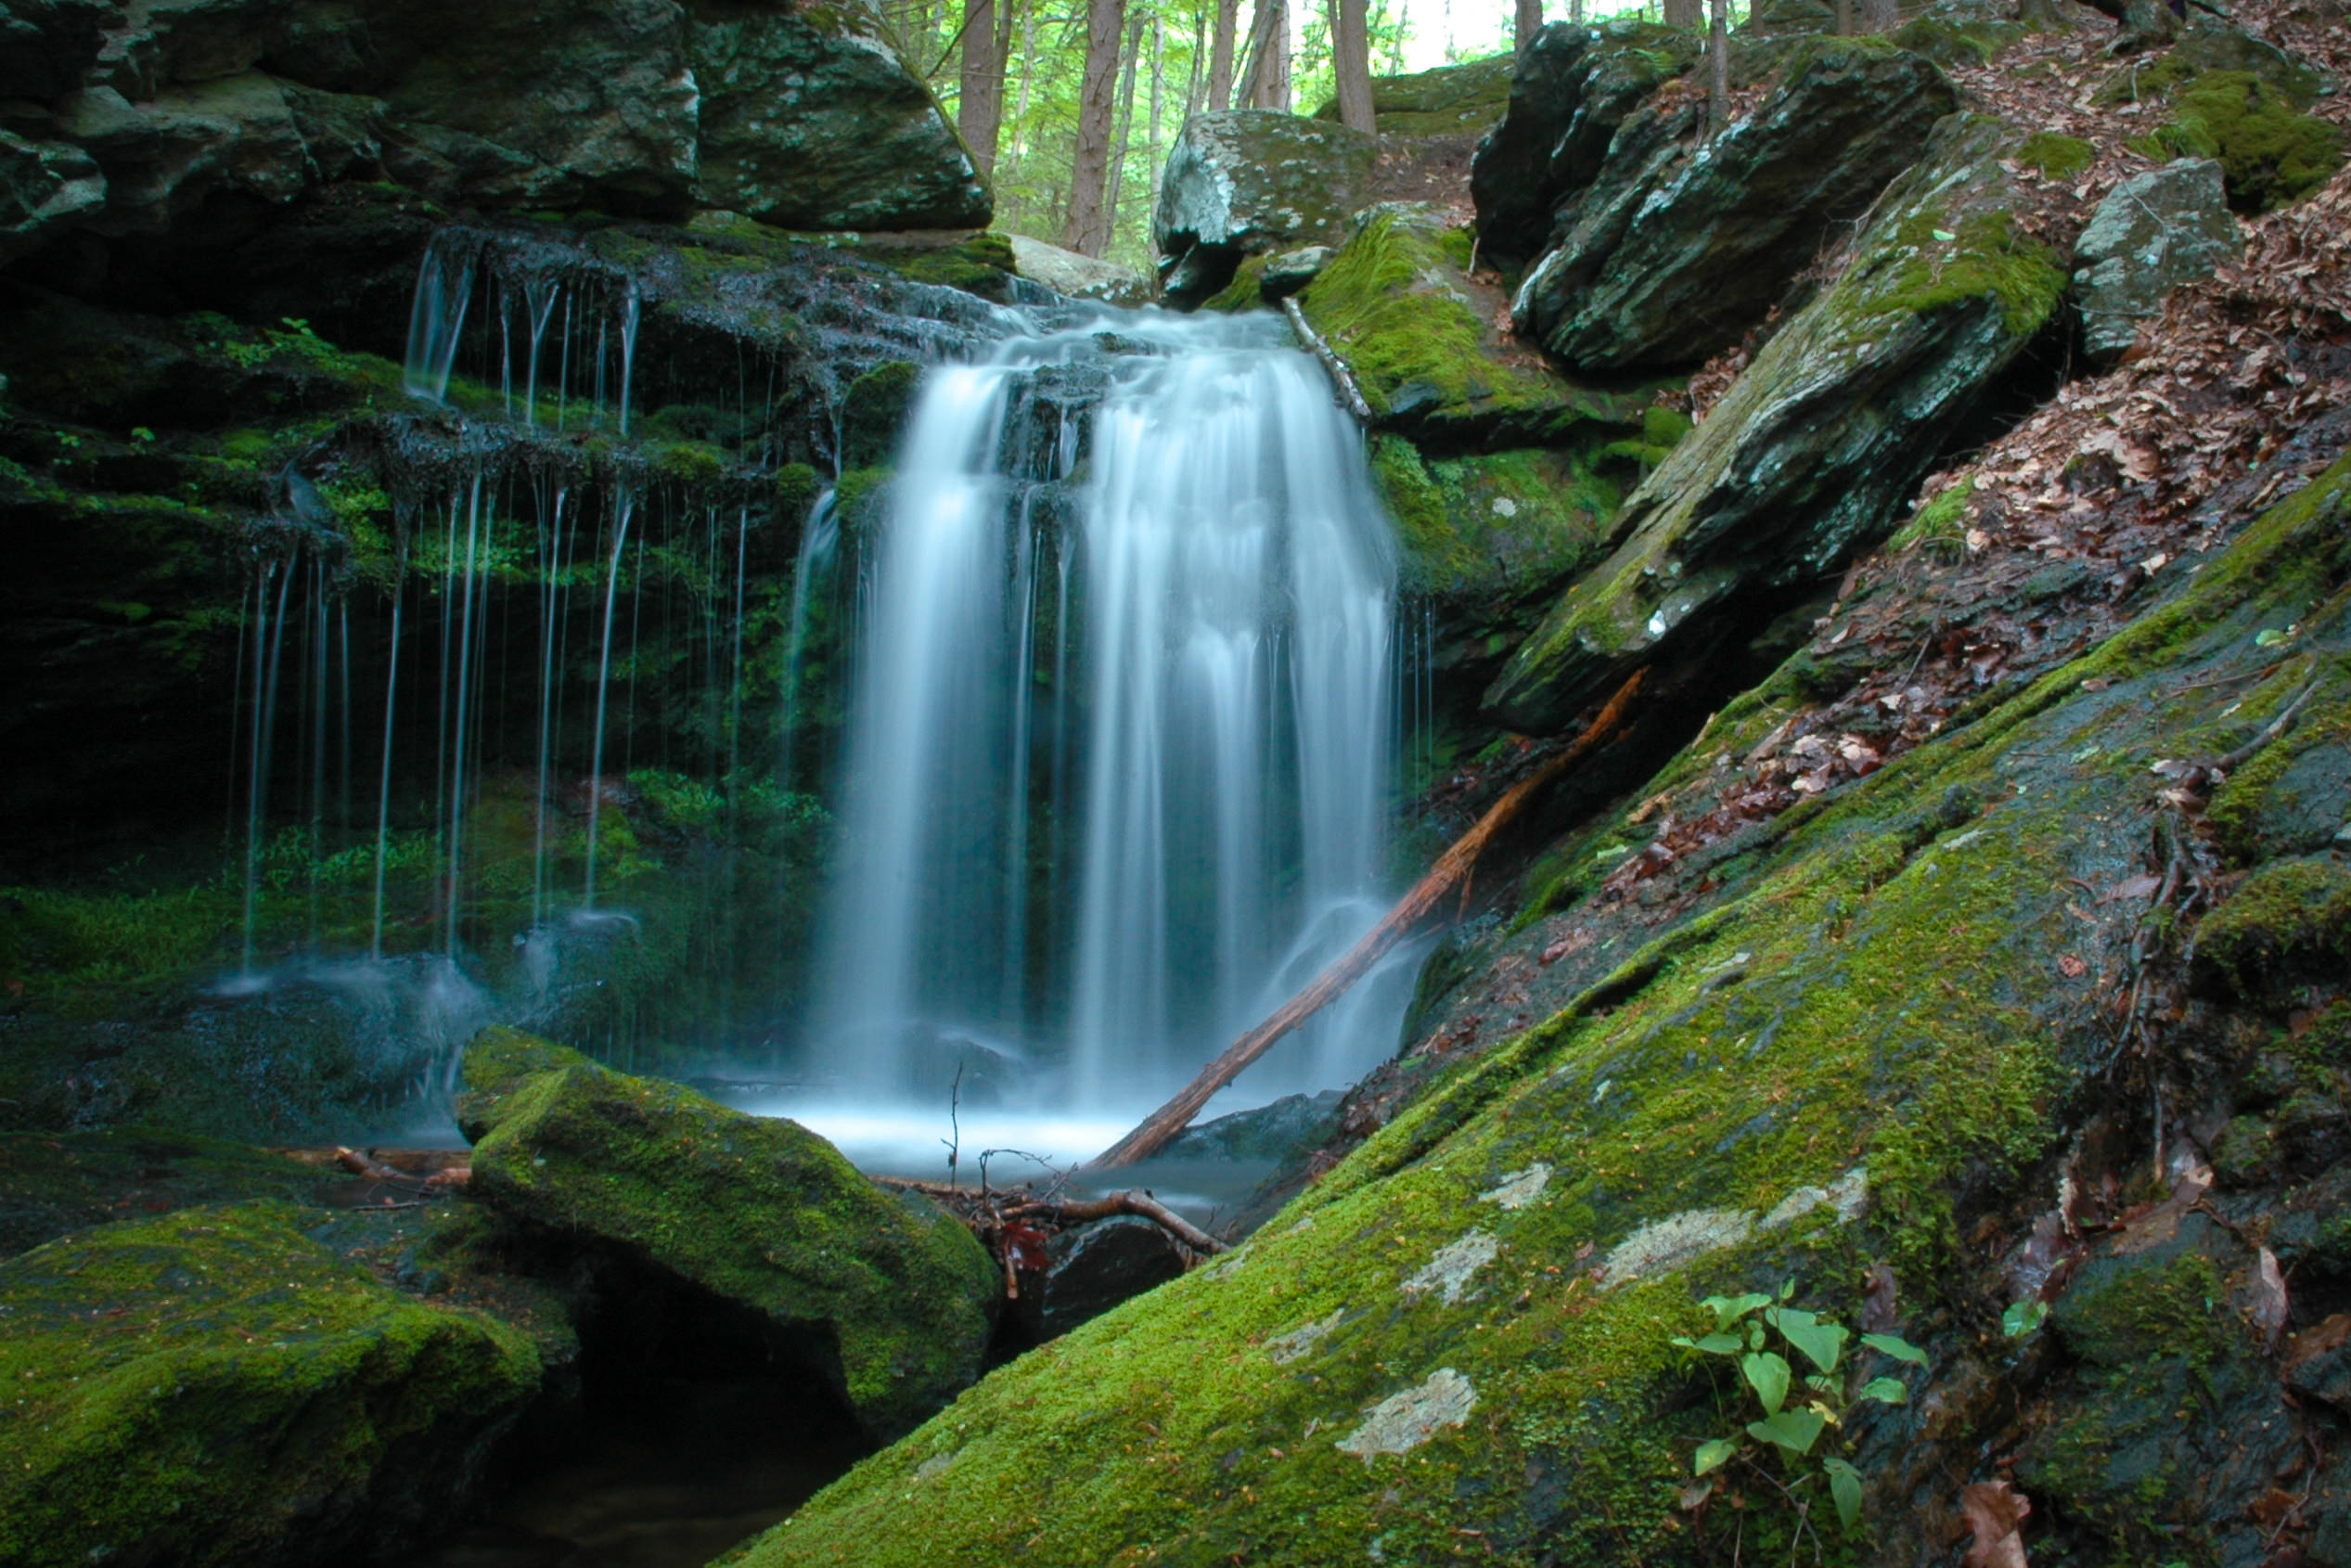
(1790, 1388)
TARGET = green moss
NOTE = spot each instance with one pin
(1953, 43)
(2125, 1311)
(874, 408)
(55, 942)
(692, 463)
(1943, 519)
(1985, 257)
(981, 265)
(1489, 529)
(1241, 293)
(2290, 916)
(209, 1387)
(1396, 303)
(2056, 157)
(2270, 156)
(760, 1211)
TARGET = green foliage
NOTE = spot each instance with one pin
(1787, 1394)
(2270, 156)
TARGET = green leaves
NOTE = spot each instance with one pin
(1794, 1432)
(1713, 1344)
(1887, 1390)
(1730, 1309)
(1896, 1347)
(1768, 1373)
(1845, 1485)
(2022, 1318)
(1712, 1455)
(1821, 1342)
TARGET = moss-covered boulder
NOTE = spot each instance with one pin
(1668, 257)
(1572, 87)
(1451, 100)
(2154, 233)
(214, 1387)
(1398, 303)
(50, 1185)
(1816, 446)
(884, 1295)
(2237, 100)
(1248, 182)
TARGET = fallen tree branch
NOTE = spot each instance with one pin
(1074, 1212)
(1452, 866)
(1349, 394)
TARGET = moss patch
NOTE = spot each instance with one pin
(2055, 157)
(214, 1387)
(2291, 916)
(2270, 156)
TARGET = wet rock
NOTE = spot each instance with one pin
(809, 119)
(1571, 89)
(1079, 277)
(1250, 181)
(213, 1386)
(2152, 233)
(2292, 919)
(1275, 1131)
(1404, 1421)
(1668, 257)
(1293, 270)
(1092, 1268)
(45, 45)
(1821, 440)
(51, 1185)
(884, 1296)
(44, 187)
(2237, 100)
(165, 155)
(1398, 305)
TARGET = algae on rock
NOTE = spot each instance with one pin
(884, 1295)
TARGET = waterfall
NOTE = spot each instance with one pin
(1110, 896)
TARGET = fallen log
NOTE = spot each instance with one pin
(1453, 866)
(1076, 1211)
(1349, 394)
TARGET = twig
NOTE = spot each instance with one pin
(1129, 1202)
(2277, 727)
(1349, 394)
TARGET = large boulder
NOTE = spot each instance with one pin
(881, 1294)
(1249, 182)
(1450, 100)
(1670, 254)
(2152, 233)
(1398, 303)
(44, 187)
(1815, 447)
(1078, 277)
(1573, 86)
(2239, 99)
(214, 1387)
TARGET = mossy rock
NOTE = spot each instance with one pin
(54, 1184)
(1248, 181)
(980, 264)
(1815, 447)
(1451, 100)
(1853, 1042)
(2236, 98)
(214, 1387)
(874, 409)
(1398, 305)
(890, 1299)
(2289, 917)
(2054, 156)
(1953, 42)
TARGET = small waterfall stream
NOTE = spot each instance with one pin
(1090, 891)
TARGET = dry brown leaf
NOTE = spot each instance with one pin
(1996, 1512)
(2269, 1307)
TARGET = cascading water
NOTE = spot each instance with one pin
(1111, 887)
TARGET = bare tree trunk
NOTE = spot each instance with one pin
(1089, 229)
(1268, 82)
(1124, 138)
(978, 111)
(1159, 96)
(1529, 22)
(1575, 11)
(1880, 16)
(1845, 18)
(1220, 55)
(1683, 14)
(1350, 60)
(1198, 79)
(1718, 68)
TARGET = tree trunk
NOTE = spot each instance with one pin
(1845, 18)
(1087, 231)
(1220, 55)
(1880, 16)
(1020, 109)
(1124, 138)
(1683, 14)
(1159, 96)
(1453, 865)
(978, 111)
(1718, 68)
(1575, 11)
(1350, 60)
(1528, 22)
(1268, 82)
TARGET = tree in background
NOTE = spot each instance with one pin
(1088, 229)
(1350, 60)
(1528, 20)
(1220, 55)
(987, 41)
(1267, 83)
(1717, 68)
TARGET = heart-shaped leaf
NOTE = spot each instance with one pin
(1845, 1485)
(1821, 1342)
(1794, 1430)
(1887, 1390)
(1730, 1309)
(1896, 1347)
(1712, 1455)
(1769, 1375)
(2022, 1318)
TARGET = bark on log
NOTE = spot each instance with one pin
(1350, 394)
(1452, 868)
(1066, 1212)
